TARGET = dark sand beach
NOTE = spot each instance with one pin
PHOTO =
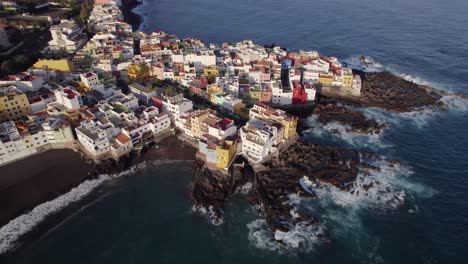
(32, 181)
(29, 182)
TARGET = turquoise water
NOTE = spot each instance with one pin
(147, 217)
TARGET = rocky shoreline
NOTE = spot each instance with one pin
(392, 93)
(279, 178)
(329, 110)
(382, 90)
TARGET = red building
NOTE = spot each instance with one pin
(299, 94)
(158, 103)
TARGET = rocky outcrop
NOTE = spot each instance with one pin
(390, 92)
(329, 110)
(280, 177)
(334, 165)
(211, 188)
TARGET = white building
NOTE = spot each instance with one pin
(281, 96)
(176, 106)
(25, 82)
(12, 146)
(357, 85)
(259, 139)
(68, 97)
(229, 101)
(93, 139)
(23, 139)
(90, 80)
(66, 37)
(121, 145)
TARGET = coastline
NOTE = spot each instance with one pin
(47, 177)
(29, 182)
(134, 19)
(39, 179)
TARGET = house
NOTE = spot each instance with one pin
(176, 106)
(68, 97)
(25, 82)
(264, 112)
(121, 145)
(14, 104)
(90, 80)
(259, 139)
(141, 92)
(357, 85)
(218, 153)
(93, 139)
(66, 37)
(24, 138)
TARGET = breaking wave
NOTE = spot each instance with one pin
(303, 237)
(338, 132)
(355, 62)
(245, 189)
(456, 102)
(387, 188)
(210, 213)
(11, 232)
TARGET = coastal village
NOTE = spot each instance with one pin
(80, 82)
(114, 90)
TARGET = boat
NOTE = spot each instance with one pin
(308, 185)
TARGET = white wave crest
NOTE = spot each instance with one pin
(418, 118)
(371, 189)
(11, 232)
(303, 237)
(456, 102)
(370, 64)
(245, 189)
(415, 79)
(336, 131)
(210, 213)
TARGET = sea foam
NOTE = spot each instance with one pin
(303, 237)
(356, 63)
(11, 232)
(338, 132)
(210, 213)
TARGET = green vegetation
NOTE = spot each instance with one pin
(120, 109)
(170, 91)
(16, 64)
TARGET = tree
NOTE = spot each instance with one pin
(20, 60)
(170, 91)
(7, 67)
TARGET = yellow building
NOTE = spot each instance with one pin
(326, 79)
(63, 65)
(138, 72)
(212, 90)
(265, 112)
(211, 71)
(196, 121)
(347, 77)
(255, 94)
(225, 152)
(13, 104)
(240, 109)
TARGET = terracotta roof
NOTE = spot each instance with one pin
(122, 138)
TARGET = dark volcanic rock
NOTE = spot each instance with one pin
(330, 111)
(390, 92)
(212, 188)
(334, 165)
(271, 187)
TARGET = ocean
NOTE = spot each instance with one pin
(147, 216)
